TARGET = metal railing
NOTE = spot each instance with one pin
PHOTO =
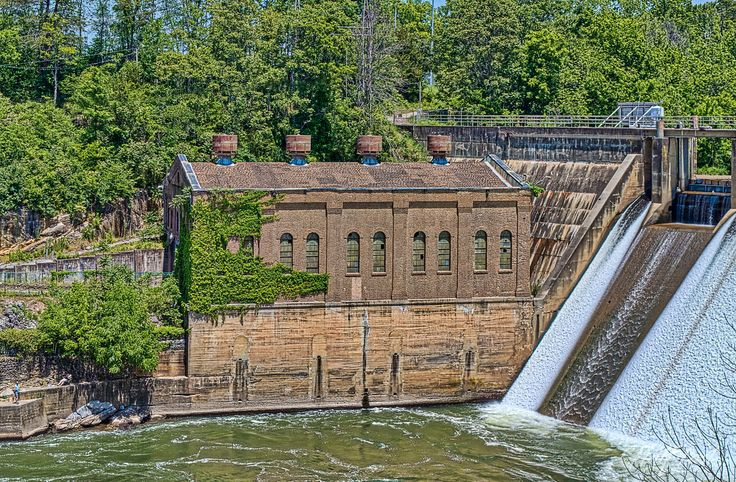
(460, 118)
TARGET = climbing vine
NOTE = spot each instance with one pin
(212, 277)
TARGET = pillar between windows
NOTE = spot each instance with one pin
(336, 260)
(400, 252)
(464, 250)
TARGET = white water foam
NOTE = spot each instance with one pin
(542, 369)
(678, 371)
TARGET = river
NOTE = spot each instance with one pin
(471, 442)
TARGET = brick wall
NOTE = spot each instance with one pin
(333, 216)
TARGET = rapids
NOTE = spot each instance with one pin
(461, 442)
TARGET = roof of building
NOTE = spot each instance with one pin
(350, 176)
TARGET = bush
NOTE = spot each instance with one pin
(23, 342)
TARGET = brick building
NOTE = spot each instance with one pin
(383, 232)
(428, 297)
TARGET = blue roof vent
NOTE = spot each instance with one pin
(369, 161)
(298, 147)
(298, 161)
(440, 161)
(224, 146)
(368, 148)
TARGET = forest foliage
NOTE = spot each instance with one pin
(97, 96)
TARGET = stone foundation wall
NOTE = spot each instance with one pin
(317, 352)
(22, 420)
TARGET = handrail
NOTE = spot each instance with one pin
(448, 117)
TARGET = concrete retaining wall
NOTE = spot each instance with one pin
(39, 272)
(18, 421)
(567, 144)
(624, 187)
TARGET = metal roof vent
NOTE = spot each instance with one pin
(368, 148)
(224, 146)
(439, 147)
(298, 148)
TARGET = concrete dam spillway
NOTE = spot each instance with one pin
(643, 341)
(546, 363)
(681, 369)
(659, 259)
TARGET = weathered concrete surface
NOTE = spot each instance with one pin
(391, 352)
(21, 420)
(581, 144)
(38, 272)
(571, 191)
(625, 186)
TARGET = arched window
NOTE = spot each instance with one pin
(312, 253)
(419, 248)
(505, 250)
(286, 250)
(481, 250)
(353, 253)
(443, 251)
(249, 245)
(379, 252)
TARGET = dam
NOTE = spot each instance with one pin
(636, 330)
(549, 313)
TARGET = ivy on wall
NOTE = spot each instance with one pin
(212, 277)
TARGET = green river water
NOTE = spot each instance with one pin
(462, 442)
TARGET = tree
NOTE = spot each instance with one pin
(109, 320)
(476, 51)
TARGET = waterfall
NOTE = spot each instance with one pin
(701, 204)
(679, 370)
(658, 262)
(557, 345)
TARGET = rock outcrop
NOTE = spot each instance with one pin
(91, 414)
(130, 416)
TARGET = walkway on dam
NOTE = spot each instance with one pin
(675, 126)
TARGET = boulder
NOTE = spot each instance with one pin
(55, 230)
(130, 416)
(93, 413)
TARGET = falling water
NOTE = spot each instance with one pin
(682, 364)
(701, 204)
(549, 358)
(657, 263)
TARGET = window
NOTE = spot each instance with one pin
(312, 253)
(418, 253)
(353, 253)
(286, 250)
(379, 252)
(505, 250)
(249, 243)
(443, 251)
(481, 249)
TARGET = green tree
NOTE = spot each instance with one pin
(107, 320)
